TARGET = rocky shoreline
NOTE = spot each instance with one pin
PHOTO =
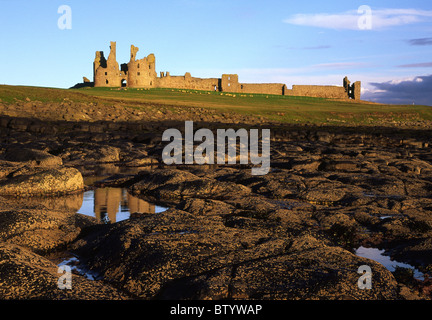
(290, 234)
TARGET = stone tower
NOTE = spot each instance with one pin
(107, 72)
(142, 72)
(353, 90)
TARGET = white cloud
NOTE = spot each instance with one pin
(368, 91)
(417, 65)
(339, 65)
(349, 20)
(408, 79)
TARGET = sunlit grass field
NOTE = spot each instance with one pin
(272, 107)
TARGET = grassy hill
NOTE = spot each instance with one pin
(285, 109)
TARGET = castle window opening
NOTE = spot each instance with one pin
(138, 73)
(106, 81)
(138, 65)
(106, 73)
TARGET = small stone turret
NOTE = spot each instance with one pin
(353, 91)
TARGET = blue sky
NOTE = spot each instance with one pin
(291, 42)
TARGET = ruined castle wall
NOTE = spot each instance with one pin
(357, 90)
(142, 72)
(230, 83)
(107, 77)
(188, 82)
(330, 92)
(107, 73)
(263, 88)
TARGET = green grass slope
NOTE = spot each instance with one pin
(272, 107)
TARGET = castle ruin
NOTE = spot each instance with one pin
(141, 73)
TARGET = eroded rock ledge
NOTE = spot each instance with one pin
(179, 255)
(286, 235)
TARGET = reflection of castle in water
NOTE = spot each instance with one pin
(113, 204)
(108, 202)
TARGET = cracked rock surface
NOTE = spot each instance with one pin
(290, 234)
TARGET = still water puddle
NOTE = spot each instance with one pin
(378, 256)
(105, 204)
(114, 205)
(76, 266)
(108, 205)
